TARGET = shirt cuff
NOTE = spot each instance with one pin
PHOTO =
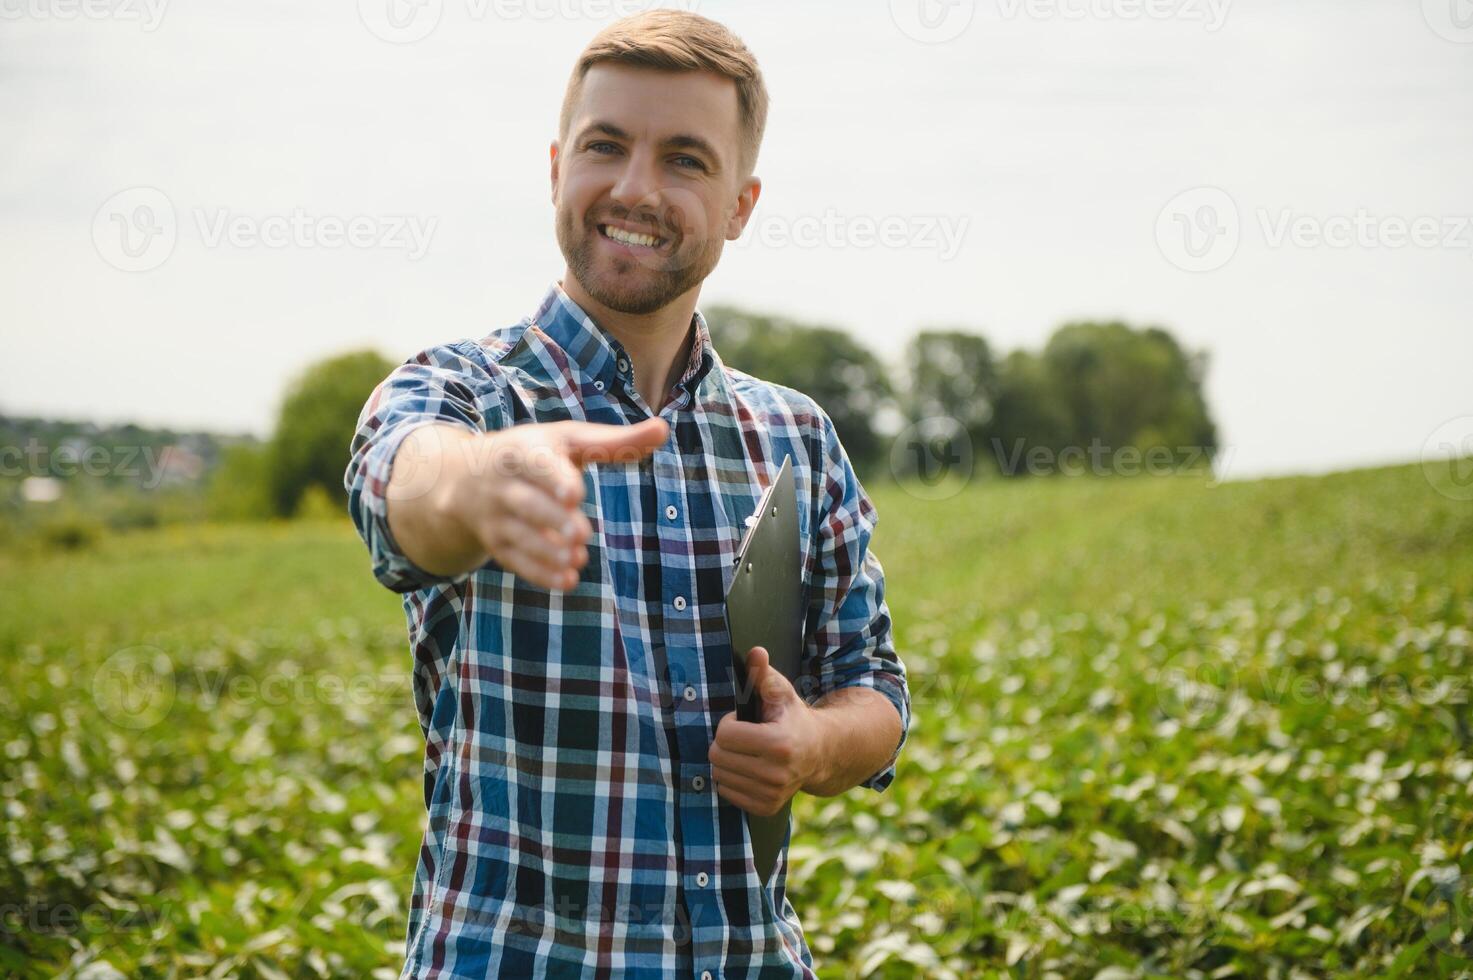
(391, 566)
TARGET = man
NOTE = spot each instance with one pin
(561, 503)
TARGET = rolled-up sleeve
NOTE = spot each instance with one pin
(849, 641)
(454, 384)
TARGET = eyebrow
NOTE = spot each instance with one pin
(681, 140)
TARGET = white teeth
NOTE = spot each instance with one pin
(629, 237)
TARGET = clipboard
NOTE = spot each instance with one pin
(764, 607)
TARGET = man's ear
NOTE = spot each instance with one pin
(552, 156)
(745, 203)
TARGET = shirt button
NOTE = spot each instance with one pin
(690, 694)
(698, 783)
(703, 879)
(670, 511)
(623, 364)
(599, 384)
(680, 602)
(705, 975)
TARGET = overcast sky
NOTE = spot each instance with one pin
(1285, 185)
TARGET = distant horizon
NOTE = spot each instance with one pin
(1222, 456)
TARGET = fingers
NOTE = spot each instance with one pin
(549, 468)
(533, 505)
(536, 569)
(539, 515)
(725, 762)
(745, 737)
(549, 548)
(592, 442)
(541, 538)
(536, 554)
(755, 800)
(749, 786)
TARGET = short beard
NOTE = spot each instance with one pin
(664, 288)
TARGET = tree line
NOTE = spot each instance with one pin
(1097, 396)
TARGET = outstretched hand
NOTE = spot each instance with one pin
(524, 507)
(513, 495)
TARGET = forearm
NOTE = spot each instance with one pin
(859, 730)
(420, 514)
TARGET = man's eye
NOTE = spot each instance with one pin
(689, 162)
(602, 146)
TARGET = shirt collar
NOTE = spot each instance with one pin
(599, 356)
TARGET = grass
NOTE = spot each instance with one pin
(1162, 728)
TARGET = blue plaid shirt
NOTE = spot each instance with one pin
(572, 827)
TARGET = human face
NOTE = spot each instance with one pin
(654, 155)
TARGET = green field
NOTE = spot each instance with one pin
(1162, 728)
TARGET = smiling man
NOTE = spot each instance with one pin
(561, 502)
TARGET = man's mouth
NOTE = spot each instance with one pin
(632, 239)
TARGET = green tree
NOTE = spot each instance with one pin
(826, 364)
(1129, 387)
(951, 376)
(1028, 412)
(240, 487)
(318, 417)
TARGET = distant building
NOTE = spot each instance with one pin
(179, 464)
(40, 489)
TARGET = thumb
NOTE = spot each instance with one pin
(597, 442)
(769, 682)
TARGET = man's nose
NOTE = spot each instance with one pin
(638, 185)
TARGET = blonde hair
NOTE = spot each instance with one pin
(675, 40)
